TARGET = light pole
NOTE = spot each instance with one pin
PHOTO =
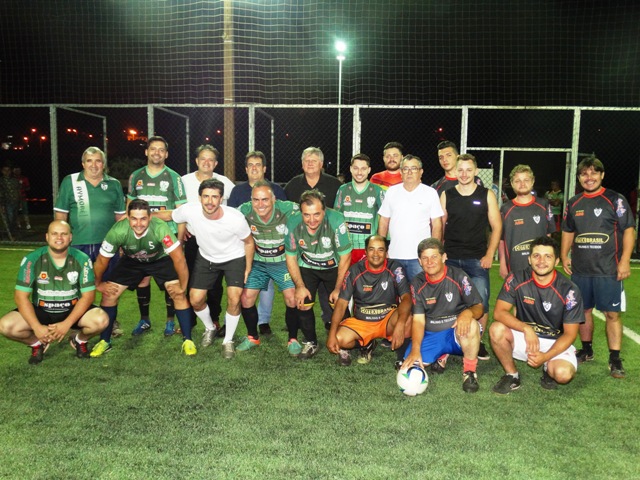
(341, 48)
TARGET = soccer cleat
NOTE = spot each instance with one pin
(81, 348)
(265, 329)
(344, 358)
(248, 343)
(143, 327)
(228, 351)
(100, 348)
(483, 354)
(189, 348)
(37, 354)
(439, 365)
(583, 356)
(616, 369)
(397, 365)
(117, 331)
(366, 353)
(222, 330)
(309, 350)
(470, 382)
(208, 336)
(169, 328)
(506, 385)
(294, 348)
(547, 382)
(384, 343)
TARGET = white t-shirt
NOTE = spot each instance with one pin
(192, 184)
(410, 215)
(218, 240)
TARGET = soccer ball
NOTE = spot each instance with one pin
(413, 380)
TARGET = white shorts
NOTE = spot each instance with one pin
(520, 347)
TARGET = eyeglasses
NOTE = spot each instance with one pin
(410, 169)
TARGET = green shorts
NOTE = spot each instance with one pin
(262, 272)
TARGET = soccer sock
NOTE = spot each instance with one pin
(308, 325)
(469, 365)
(78, 339)
(514, 375)
(291, 319)
(171, 310)
(112, 312)
(184, 319)
(36, 344)
(588, 347)
(231, 321)
(205, 317)
(144, 297)
(250, 316)
(614, 355)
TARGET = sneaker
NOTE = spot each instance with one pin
(366, 353)
(583, 356)
(470, 382)
(483, 354)
(547, 382)
(294, 348)
(384, 343)
(189, 348)
(117, 331)
(169, 328)
(248, 343)
(308, 351)
(228, 351)
(143, 327)
(37, 354)
(506, 385)
(100, 348)
(398, 365)
(439, 365)
(265, 329)
(615, 367)
(344, 358)
(81, 348)
(208, 336)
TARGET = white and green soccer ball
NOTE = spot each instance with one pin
(413, 380)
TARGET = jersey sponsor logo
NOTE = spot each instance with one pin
(326, 242)
(570, 300)
(57, 279)
(466, 286)
(367, 288)
(302, 243)
(430, 301)
(72, 277)
(167, 241)
(579, 213)
(57, 306)
(254, 229)
(164, 186)
(518, 221)
(620, 210)
(597, 211)
(522, 247)
(529, 300)
(139, 185)
(359, 228)
(384, 285)
(43, 277)
(594, 239)
(536, 218)
(269, 252)
(448, 296)
(330, 263)
(347, 201)
(546, 306)
(399, 273)
(371, 201)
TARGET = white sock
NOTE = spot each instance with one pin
(205, 317)
(80, 341)
(231, 322)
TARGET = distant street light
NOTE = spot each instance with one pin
(341, 48)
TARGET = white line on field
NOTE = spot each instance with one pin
(627, 331)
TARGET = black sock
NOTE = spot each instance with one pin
(291, 319)
(250, 316)
(171, 310)
(587, 347)
(144, 297)
(614, 355)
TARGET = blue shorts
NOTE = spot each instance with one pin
(604, 293)
(262, 272)
(479, 276)
(436, 344)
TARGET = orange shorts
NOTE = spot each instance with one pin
(368, 331)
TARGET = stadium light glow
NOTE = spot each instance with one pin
(341, 48)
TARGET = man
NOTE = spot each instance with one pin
(9, 200)
(549, 311)
(267, 218)
(391, 156)
(524, 218)
(91, 201)
(318, 250)
(410, 212)
(149, 249)
(359, 202)
(470, 209)
(206, 161)
(446, 312)
(448, 156)
(60, 282)
(163, 189)
(256, 167)
(225, 247)
(313, 177)
(25, 186)
(381, 301)
(598, 228)
(555, 197)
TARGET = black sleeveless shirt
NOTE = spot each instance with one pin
(465, 233)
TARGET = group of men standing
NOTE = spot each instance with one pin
(390, 258)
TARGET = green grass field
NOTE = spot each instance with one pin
(146, 411)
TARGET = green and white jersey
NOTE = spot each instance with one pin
(156, 242)
(360, 210)
(91, 210)
(163, 191)
(269, 236)
(323, 249)
(52, 288)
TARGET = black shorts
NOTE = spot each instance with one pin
(48, 318)
(312, 278)
(205, 273)
(130, 272)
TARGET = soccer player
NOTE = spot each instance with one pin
(391, 156)
(555, 197)
(599, 229)
(549, 312)
(446, 312)
(149, 249)
(318, 250)
(359, 202)
(524, 218)
(267, 218)
(162, 188)
(60, 282)
(225, 246)
(448, 156)
(382, 305)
